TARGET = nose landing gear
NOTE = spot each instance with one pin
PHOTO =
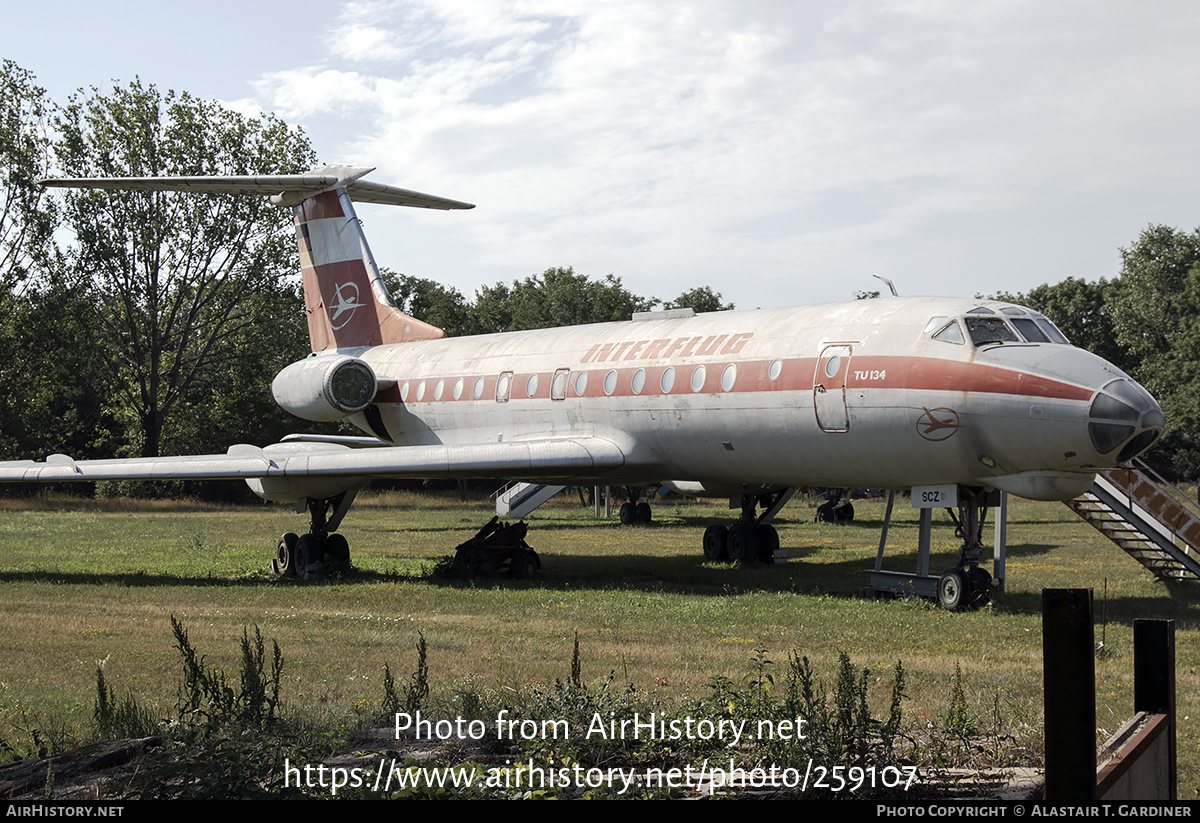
(968, 585)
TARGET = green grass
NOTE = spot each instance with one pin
(82, 582)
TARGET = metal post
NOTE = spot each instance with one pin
(1154, 679)
(924, 540)
(1068, 641)
(1000, 543)
(887, 521)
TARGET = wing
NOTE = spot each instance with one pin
(574, 458)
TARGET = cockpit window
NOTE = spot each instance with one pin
(1028, 329)
(1014, 310)
(934, 323)
(951, 334)
(1052, 331)
(981, 310)
(986, 330)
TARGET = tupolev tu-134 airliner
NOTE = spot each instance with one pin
(891, 393)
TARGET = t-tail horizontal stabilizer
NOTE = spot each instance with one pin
(283, 189)
(339, 272)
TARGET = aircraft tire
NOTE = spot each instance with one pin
(285, 556)
(768, 542)
(953, 590)
(716, 543)
(742, 545)
(642, 513)
(338, 549)
(526, 564)
(980, 581)
(628, 514)
(308, 550)
(471, 559)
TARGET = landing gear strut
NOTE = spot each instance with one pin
(320, 550)
(752, 537)
(968, 585)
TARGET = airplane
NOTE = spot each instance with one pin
(892, 393)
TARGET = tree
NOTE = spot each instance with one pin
(556, 297)
(1081, 309)
(182, 281)
(36, 413)
(700, 299)
(429, 301)
(26, 218)
(1155, 307)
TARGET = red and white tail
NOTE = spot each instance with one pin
(344, 296)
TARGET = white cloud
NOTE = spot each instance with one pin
(682, 142)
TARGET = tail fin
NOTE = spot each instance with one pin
(344, 295)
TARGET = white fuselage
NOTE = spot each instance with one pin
(846, 395)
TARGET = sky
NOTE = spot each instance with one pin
(780, 152)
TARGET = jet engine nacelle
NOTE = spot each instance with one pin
(325, 388)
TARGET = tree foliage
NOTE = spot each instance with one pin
(429, 301)
(26, 217)
(556, 297)
(36, 412)
(1155, 307)
(700, 299)
(182, 281)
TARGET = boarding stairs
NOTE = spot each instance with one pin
(1151, 520)
(517, 499)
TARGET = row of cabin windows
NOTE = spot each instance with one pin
(562, 379)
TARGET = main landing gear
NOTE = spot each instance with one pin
(837, 508)
(966, 586)
(751, 538)
(318, 552)
(634, 512)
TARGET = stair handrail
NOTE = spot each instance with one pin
(1139, 471)
(1179, 497)
(503, 489)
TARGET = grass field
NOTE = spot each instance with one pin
(83, 582)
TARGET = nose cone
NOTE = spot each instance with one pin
(1124, 420)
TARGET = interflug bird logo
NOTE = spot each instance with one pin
(937, 424)
(345, 303)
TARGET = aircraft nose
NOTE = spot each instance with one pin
(1123, 414)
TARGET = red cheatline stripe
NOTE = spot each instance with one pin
(796, 374)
